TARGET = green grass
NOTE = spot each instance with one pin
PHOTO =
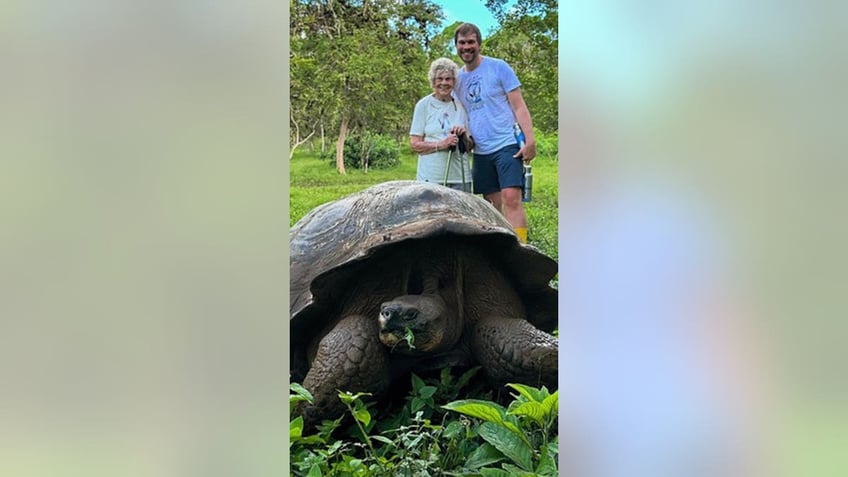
(314, 181)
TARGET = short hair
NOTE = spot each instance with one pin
(466, 29)
(442, 64)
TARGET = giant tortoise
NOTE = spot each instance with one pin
(412, 276)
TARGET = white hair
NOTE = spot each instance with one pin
(442, 64)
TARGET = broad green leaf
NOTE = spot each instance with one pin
(551, 404)
(362, 415)
(315, 471)
(417, 383)
(384, 440)
(511, 423)
(466, 377)
(445, 377)
(547, 462)
(488, 411)
(356, 463)
(516, 472)
(484, 455)
(533, 394)
(453, 429)
(427, 391)
(509, 444)
(490, 472)
(293, 400)
(296, 429)
(300, 394)
(533, 410)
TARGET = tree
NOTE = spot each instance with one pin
(528, 40)
(442, 45)
(358, 65)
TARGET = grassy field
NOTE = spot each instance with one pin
(314, 181)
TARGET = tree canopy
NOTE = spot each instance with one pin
(362, 65)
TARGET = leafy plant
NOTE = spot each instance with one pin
(312, 455)
(547, 145)
(518, 431)
(474, 436)
(370, 151)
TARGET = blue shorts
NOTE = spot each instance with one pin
(497, 171)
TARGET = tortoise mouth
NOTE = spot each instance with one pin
(398, 341)
(408, 341)
(411, 323)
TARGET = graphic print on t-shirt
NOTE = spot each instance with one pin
(444, 121)
(474, 93)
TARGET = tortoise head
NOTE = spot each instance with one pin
(418, 324)
(424, 320)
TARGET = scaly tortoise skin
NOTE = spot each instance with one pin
(415, 256)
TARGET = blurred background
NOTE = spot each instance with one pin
(729, 113)
(142, 254)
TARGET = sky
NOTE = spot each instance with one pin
(472, 11)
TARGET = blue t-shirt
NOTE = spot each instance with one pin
(483, 92)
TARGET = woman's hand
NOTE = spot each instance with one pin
(458, 130)
(449, 141)
(463, 137)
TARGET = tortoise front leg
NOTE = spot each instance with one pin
(513, 350)
(349, 358)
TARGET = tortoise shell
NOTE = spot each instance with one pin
(349, 231)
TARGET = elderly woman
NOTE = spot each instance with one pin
(439, 131)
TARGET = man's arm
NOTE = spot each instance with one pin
(522, 116)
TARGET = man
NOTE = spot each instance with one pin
(491, 94)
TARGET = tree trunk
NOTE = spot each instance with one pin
(340, 146)
(297, 141)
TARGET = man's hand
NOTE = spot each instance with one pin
(528, 152)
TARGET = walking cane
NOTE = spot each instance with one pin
(447, 167)
(461, 167)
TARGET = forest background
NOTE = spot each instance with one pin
(362, 66)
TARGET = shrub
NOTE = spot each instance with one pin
(465, 437)
(547, 145)
(369, 151)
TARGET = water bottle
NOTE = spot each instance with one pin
(527, 194)
(519, 135)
